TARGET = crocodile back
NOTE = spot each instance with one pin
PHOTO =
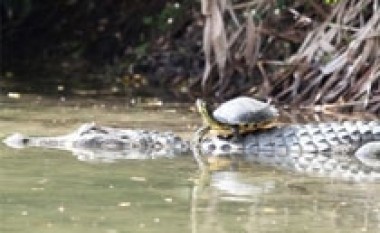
(331, 137)
(325, 149)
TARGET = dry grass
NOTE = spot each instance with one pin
(327, 56)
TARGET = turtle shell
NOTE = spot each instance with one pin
(244, 110)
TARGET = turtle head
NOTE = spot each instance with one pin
(204, 110)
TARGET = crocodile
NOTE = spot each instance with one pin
(347, 150)
(91, 142)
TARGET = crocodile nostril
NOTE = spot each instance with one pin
(25, 141)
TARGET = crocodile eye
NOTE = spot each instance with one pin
(226, 147)
(211, 147)
(25, 141)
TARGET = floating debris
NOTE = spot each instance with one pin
(168, 200)
(61, 209)
(60, 88)
(124, 204)
(138, 178)
(269, 210)
(14, 95)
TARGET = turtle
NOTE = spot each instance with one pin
(236, 117)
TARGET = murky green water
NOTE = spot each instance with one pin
(45, 190)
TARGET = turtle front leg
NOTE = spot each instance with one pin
(199, 134)
(236, 136)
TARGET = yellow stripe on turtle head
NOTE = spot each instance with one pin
(206, 114)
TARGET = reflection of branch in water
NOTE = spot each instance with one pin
(193, 209)
(196, 147)
(209, 222)
(198, 189)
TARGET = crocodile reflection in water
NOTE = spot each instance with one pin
(272, 203)
(323, 149)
